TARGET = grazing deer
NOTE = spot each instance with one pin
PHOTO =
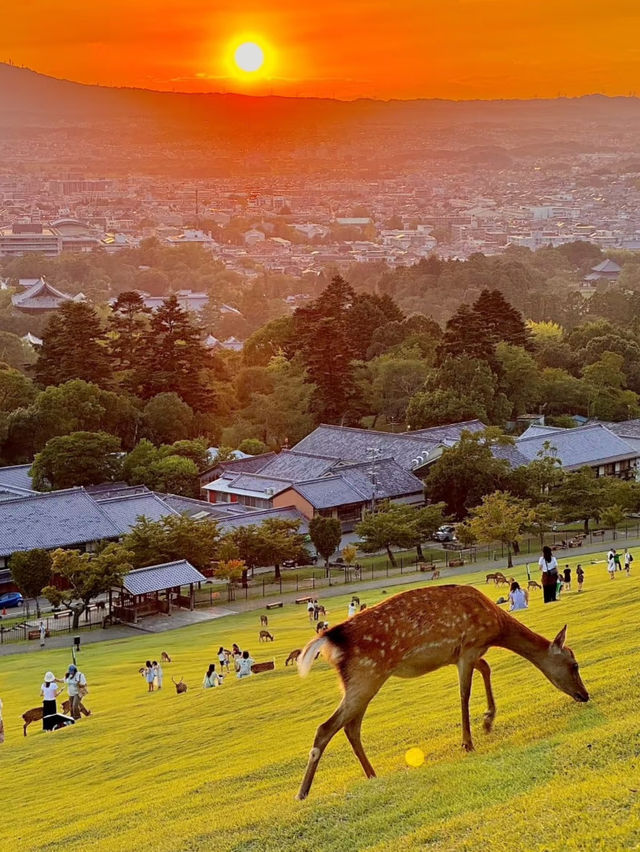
(436, 574)
(533, 585)
(293, 656)
(501, 580)
(180, 686)
(492, 578)
(36, 714)
(264, 621)
(165, 658)
(265, 636)
(416, 632)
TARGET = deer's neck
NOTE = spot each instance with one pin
(519, 639)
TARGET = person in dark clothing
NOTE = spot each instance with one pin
(567, 577)
(549, 568)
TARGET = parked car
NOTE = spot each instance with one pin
(11, 599)
(445, 533)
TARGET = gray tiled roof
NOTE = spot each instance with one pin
(156, 578)
(41, 295)
(252, 464)
(256, 482)
(626, 428)
(191, 507)
(294, 466)
(16, 476)
(585, 445)
(391, 479)
(330, 491)
(125, 511)
(535, 431)
(511, 454)
(343, 442)
(288, 513)
(54, 519)
(452, 431)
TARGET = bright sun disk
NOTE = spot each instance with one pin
(249, 57)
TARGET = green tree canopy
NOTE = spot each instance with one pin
(326, 534)
(500, 517)
(81, 458)
(31, 572)
(86, 576)
(73, 347)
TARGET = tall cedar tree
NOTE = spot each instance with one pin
(499, 320)
(476, 331)
(73, 347)
(324, 337)
(129, 337)
(175, 358)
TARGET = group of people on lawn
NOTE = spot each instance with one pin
(76, 684)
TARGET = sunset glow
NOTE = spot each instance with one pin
(408, 49)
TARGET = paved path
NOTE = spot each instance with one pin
(184, 618)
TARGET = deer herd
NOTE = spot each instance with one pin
(499, 579)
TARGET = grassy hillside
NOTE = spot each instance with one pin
(219, 769)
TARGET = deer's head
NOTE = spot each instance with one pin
(562, 668)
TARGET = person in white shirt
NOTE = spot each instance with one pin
(42, 630)
(76, 684)
(628, 559)
(352, 609)
(211, 679)
(243, 665)
(518, 598)
(157, 669)
(549, 567)
(49, 692)
(611, 564)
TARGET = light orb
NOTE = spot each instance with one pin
(249, 57)
(414, 757)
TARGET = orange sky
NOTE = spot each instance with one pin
(336, 48)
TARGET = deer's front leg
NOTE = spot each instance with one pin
(465, 674)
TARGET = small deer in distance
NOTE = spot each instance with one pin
(416, 632)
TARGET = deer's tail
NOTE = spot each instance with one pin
(322, 645)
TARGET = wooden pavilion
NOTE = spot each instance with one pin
(158, 588)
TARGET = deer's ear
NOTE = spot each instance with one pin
(560, 639)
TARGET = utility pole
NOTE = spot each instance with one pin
(373, 456)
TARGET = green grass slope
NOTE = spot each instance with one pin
(219, 769)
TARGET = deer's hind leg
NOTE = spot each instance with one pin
(485, 670)
(352, 730)
(348, 716)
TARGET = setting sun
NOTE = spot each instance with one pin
(249, 57)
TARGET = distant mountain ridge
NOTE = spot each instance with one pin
(120, 130)
(25, 92)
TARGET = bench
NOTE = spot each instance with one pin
(456, 563)
(256, 668)
(35, 634)
(275, 605)
(306, 599)
(427, 566)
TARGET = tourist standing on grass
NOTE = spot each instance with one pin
(243, 665)
(580, 576)
(76, 687)
(223, 659)
(149, 675)
(310, 610)
(211, 678)
(549, 567)
(628, 559)
(616, 559)
(518, 598)
(351, 611)
(49, 692)
(611, 565)
(42, 630)
(567, 578)
(157, 668)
